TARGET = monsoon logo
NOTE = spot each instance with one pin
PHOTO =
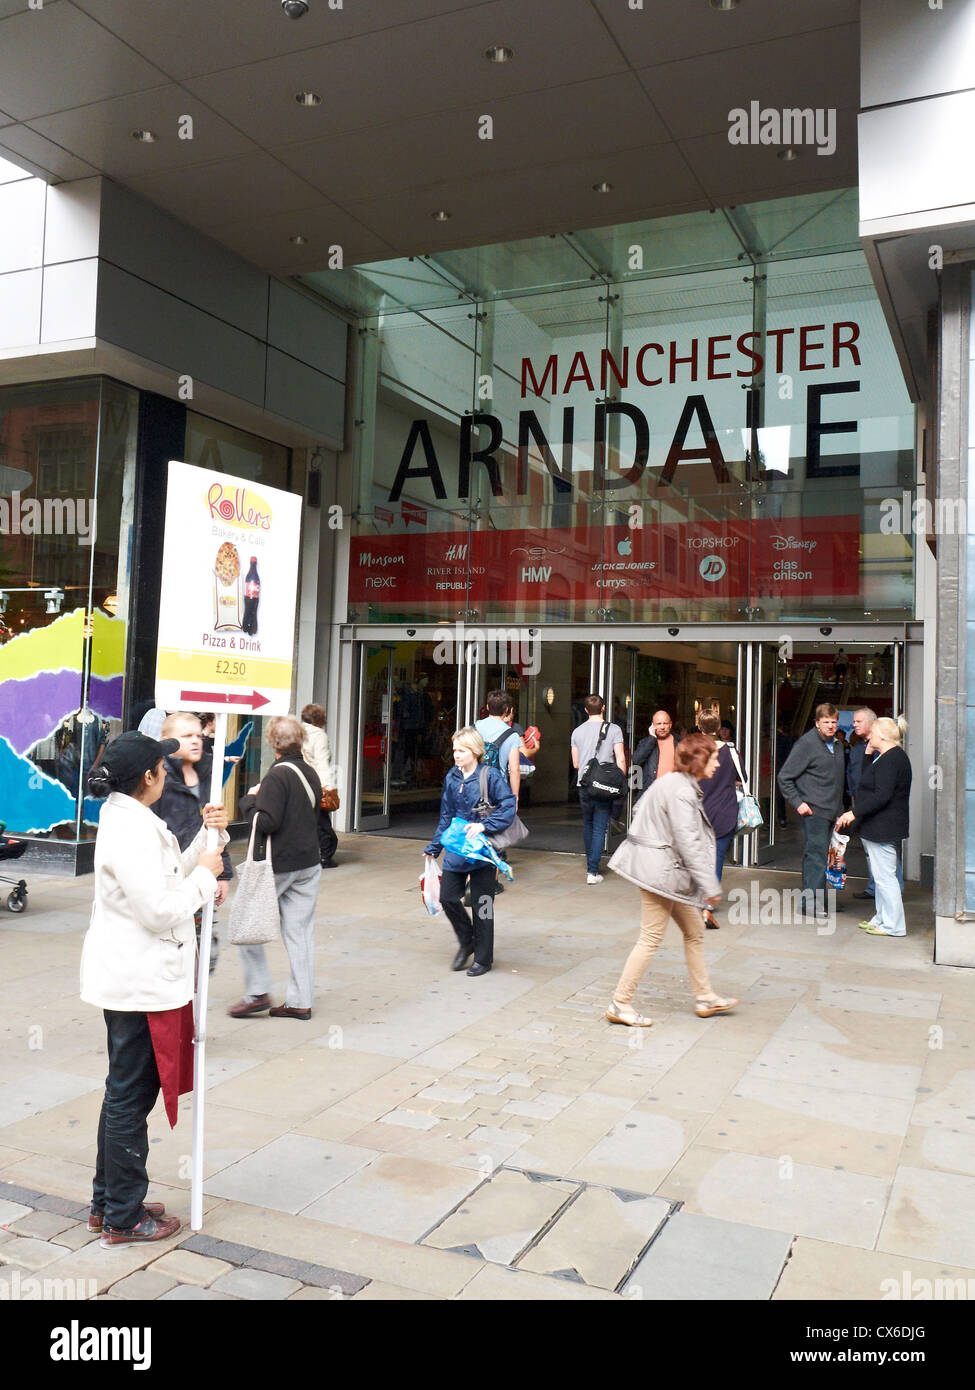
(238, 507)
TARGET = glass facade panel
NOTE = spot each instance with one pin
(67, 457)
(681, 444)
(212, 444)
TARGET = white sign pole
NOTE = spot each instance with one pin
(202, 991)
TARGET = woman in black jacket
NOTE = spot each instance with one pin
(185, 792)
(286, 802)
(882, 818)
(720, 798)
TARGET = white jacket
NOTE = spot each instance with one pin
(316, 751)
(139, 951)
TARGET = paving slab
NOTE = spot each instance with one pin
(193, 1293)
(255, 1283)
(184, 1267)
(142, 1285)
(31, 1253)
(496, 1284)
(41, 1090)
(780, 1194)
(695, 1258)
(639, 1150)
(598, 1238)
(820, 1270)
(45, 1225)
(11, 1212)
(499, 1220)
(931, 1216)
(290, 1173)
(394, 1196)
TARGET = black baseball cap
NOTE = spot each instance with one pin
(130, 755)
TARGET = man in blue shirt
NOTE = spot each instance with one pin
(501, 752)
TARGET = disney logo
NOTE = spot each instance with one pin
(792, 543)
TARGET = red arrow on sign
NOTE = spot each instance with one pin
(204, 698)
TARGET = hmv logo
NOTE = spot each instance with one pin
(536, 574)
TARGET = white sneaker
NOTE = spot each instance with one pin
(594, 878)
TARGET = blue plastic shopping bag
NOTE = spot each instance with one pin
(473, 845)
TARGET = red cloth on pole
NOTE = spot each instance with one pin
(172, 1041)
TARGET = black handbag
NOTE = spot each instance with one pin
(603, 781)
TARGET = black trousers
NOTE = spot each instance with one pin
(131, 1088)
(479, 933)
(328, 841)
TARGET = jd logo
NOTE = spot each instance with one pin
(712, 568)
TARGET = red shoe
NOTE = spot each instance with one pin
(96, 1219)
(149, 1228)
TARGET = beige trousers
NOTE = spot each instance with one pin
(657, 912)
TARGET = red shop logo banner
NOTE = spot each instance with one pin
(805, 557)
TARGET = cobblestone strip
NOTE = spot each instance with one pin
(152, 1283)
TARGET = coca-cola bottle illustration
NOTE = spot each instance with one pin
(252, 597)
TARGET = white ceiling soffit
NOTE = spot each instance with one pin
(596, 91)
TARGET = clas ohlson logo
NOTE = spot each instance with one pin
(238, 506)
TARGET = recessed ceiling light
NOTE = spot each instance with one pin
(308, 99)
(723, 4)
(788, 154)
(442, 215)
(298, 240)
(602, 187)
(499, 53)
(147, 137)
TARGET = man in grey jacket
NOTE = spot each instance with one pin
(812, 779)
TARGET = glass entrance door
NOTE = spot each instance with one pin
(375, 711)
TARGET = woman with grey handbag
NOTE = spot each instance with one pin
(463, 795)
(284, 808)
(669, 854)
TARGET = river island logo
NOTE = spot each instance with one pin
(712, 568)
(239, 507)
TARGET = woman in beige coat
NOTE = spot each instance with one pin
(669, 855)
(317, 753)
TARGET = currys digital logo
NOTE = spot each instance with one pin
(712, 568)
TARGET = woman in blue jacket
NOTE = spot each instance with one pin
(462, 797)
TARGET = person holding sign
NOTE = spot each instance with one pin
(138, 964)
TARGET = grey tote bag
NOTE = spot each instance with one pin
(255, 918)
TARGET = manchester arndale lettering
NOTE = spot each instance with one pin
(807, 348)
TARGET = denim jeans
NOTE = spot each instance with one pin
(871, 888)
(595, 823)
(721, 849)
(889, 912)
(816, 832)
(131, 1088)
